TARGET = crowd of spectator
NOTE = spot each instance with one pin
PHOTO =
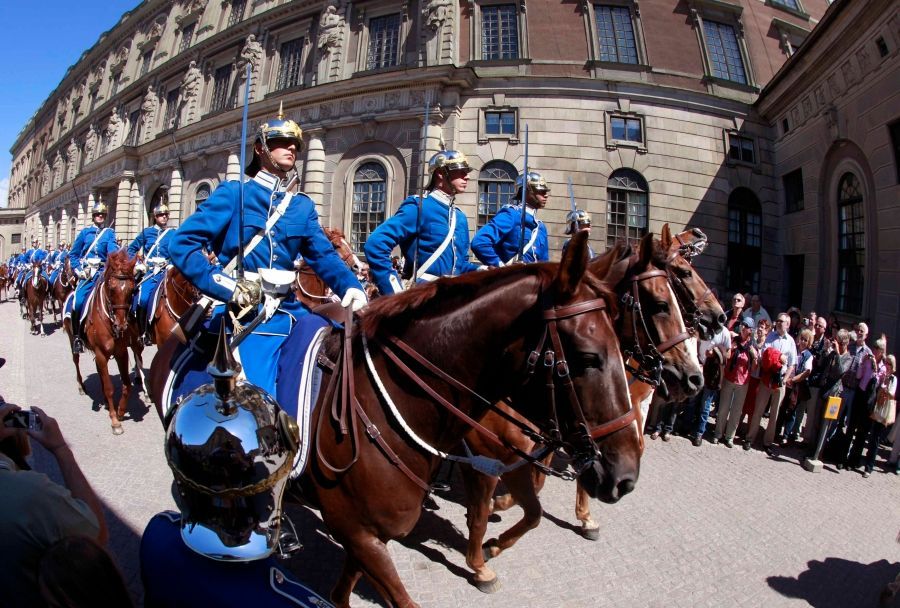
(791, 370)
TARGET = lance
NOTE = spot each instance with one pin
(423, 192)
(240, 251)
(524, 189)
(572, 195)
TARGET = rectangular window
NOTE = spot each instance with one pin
(134, 131)
(882, 46)
(788, 3)
(741, 149)
(500, 123)
(221, 82)
(793, 279)
(171, 108)
(724, 53)
(93, 101)
(237, 12)
(626, 129)
(616, 34)
(793, 191)
(499, 32)
(384, 42)
(187, 36)
(146, 58)
(15, 238)
(290, 69)
(895, 144)
(114, 85)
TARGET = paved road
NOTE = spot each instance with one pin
(706, 526)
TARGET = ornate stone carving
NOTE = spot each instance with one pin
(346, 107)
(392, 100)
(120, 59)
(251, 53)
(190, 84)
(90, 143)
(331, 26)
(436, 12)
(113, 128)
(149, 106)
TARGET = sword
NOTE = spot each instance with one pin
(415, 268)
(240, 254)
(524, 188)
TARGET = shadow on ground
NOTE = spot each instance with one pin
(837, 583)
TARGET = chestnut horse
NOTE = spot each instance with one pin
(662, 331)
(312, 290)
(5, 282)
(36, 289)
(108, 333)
(61, 288)
(475, 339)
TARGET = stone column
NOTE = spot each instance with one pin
(233, 172)
(139, 210)
(314, 176)
(125, 228)
(175, 195)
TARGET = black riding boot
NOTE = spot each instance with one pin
(77, 344)
(143, 326)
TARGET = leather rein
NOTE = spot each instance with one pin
(344, 398)
(110, 309)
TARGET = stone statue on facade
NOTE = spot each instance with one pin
(113, 127)
(251, 53)
(436, 12)
(190, 84)
(330, 28)
(149, 105)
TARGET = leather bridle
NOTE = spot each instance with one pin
(110, 309)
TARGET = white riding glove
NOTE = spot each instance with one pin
(354, 298)
(140, 268)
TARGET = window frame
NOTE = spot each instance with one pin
(235, 18)
(487, 180)
(743, 249)
(185, 42)
(146, 62)
(304, 50)
(476, 32)
(484, 136)
(894, 136)
(227, 95)
(369, 40)
(797, 12)
(733, 134)
(724, 13)
(843, 254)
(363, 20)
(170, 115)
(643, 188)
(351, 216)
(791, 203)
(596, 63)
(613, 143)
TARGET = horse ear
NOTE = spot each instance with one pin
(665, 237)
(645, 252)
(601, 264)
(573, 265)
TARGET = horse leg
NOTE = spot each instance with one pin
(102, 362)
(122, 363)
(590, 529)
(75, 356)
(521, 487)
(479, 489)
(140, 380)
(378, 568)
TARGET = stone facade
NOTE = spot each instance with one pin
(833, 110)
(357, 76)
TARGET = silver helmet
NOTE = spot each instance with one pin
(446, 161)
(536, 183)
(577, 219)
(230, 447)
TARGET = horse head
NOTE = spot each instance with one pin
(343, 249)
(698, 303)
(541, 335)
(118, 288)
(658, 345)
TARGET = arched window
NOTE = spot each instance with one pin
(160, 196)
(496, 186)
(73, 229)
(203, 192)
(58, 234)
(45, 242)
(369, 195)
(626, 207)
(851, 245)
(744, 260)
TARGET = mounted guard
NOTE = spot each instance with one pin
(428, 227)
(576, 221)
(153, 243)
(499, 241)
(87, 257)
(256, 229)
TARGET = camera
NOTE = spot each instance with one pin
(22, 419)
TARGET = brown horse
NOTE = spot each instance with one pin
(36, 288)
(639, 277)
(698, 303)
(475, 338)
(312, 290)
(108, 333)
(61, 288)
(5, 282)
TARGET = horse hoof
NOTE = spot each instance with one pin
(80, 391)
(118, 430)
(491, 586)
(591, 533)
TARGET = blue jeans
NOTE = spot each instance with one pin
(700, 408)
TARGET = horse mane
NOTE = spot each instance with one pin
(387, 309)
(333, 234)
(119, 262)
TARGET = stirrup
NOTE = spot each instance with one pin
(288, 541)
(146, 340)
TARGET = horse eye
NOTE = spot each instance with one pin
(684, 273)
(662, 307)
(590, 361)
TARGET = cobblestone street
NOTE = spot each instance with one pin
(706, 526)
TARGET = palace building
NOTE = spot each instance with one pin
(739, 117)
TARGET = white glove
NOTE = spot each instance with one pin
(139, 268)
(354, 298)
(483, 267)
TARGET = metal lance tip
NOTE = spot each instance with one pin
(223, 368)
(280, 110)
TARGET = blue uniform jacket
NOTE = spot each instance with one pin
(105, 246)
(214, 226)
(147, 238)
(499, 240)
(400, 230)
(39, 256)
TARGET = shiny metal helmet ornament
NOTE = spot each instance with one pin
(230, 447)
(577, 219)
(274, 128)
(160, 209)
(536, 183)
(99, 208)
(447, 161)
